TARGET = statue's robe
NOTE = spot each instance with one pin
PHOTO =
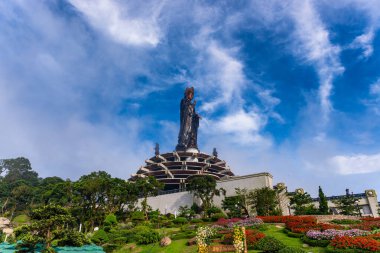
(187, 137)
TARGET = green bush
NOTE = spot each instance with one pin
(180, 220)
(109, 247)
(218, 216)
(196, 221)
(206, 219)
(330, 249)
(110, 220)
(71, 238)
(315, 243)
(291, 250)
(138, 216)
(183, 235)
(269, 244)
(213, 210)
(100, 237)
(292, 234)
(120, 236)
(147, 237)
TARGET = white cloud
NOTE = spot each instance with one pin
(364, 42)
(356, 164)
(121, 23)
(312, 43)
(225, 77)
(244, 127)
(375, 88)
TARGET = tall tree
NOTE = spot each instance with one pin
(19, 169)
(237, 205)
(264, 201)
(302, 204)
(147, 187)
(204, 188)
(347, 204)
(323, 205)
(91, 197)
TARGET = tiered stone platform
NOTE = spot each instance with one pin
(174, 169)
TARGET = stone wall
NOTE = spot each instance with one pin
(170, 203)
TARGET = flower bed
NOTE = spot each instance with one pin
(252, 221)
(284, 219)
(252, 237)
(357, 243)
(368, 224)
(329, 234)
(303, 227)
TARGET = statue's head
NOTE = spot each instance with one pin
(189, 93)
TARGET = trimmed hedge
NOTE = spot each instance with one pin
(292, 234)
(315, 243)
(291, 250)
(269, 244)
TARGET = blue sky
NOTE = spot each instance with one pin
(288, 87)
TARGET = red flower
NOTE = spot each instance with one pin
(346, 242)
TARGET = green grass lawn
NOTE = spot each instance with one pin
(278, 233)
(174, 247)
(180, 245)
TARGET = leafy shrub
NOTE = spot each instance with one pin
(291, 234)
(100, 237)
(315, 243)
(138, 216)
(269, 244)
(147, 237)
(206, 219)
(180, 220)
(110, 220)
(109, 247)
(291, 250)
(183, 235)
(213, 210)
(120, 236)
(71, 238)
(217, 216)
(196, 221)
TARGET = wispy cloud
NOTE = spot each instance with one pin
(364, 42)
(313, 44)
(356, 164)
(121, 22)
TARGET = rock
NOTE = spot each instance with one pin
(305, 245)
(165, 241)
(4, 221)
(8, 231)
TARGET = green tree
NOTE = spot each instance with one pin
(147, 187)
(19, 169)
(264, 201)
(91, 198)
(302, 204)
(47, 221)
(238, 205)
(347, 204)
(204, 188)
(323, 205)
